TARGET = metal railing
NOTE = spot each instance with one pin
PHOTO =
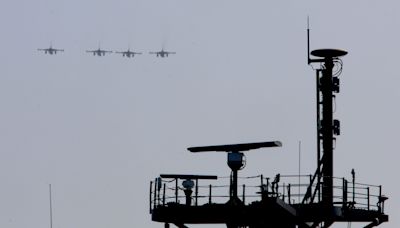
(289, 188)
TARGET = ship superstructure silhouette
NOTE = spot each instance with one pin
(320, 200)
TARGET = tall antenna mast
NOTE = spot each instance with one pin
(51, 209)
(308, 40)
(299, 195)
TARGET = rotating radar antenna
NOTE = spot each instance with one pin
(236, 159)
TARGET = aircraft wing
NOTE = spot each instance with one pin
(154, 52)
(170, 52)
(42, 49)
(106, 51)
(89, 51)
(58, 49)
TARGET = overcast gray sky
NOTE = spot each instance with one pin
(99, 129)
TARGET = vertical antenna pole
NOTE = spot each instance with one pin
(51, 209)
(299, 168)
(318, 99)
(308, 40)
(353, 175)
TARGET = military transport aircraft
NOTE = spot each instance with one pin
(162, 53)
(50, 50)
(128, 53)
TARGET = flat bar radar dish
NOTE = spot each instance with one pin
(188, 177)
(235, 147)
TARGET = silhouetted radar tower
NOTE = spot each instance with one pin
(320, 200)
(327, 85)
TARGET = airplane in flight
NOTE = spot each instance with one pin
(50, 50)
(162, 53)
(128, 53)
(99, 52)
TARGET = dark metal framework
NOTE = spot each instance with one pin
(265, 202)
(321, 201)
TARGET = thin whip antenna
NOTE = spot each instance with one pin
(308, 40)
(51, 209)
(299, 168)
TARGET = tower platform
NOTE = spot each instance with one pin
(275, 204)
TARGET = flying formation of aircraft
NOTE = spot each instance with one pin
(128, 53)
(162, 53)
(50, 50)
(99, 52)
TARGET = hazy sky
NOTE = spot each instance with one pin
(99, 129)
